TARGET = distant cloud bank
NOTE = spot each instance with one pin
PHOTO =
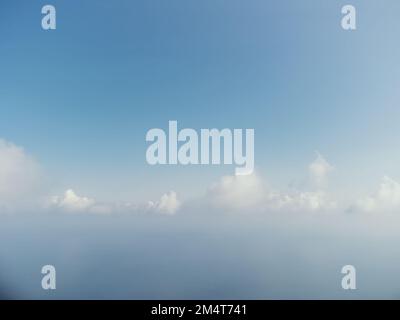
(21, 188)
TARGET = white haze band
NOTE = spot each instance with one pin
(188, 151)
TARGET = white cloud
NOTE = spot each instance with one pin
(168, 204)
(386, 199)
(19, 178)
(72, 202)
(319, 170)
(250, 193)
(237, 192)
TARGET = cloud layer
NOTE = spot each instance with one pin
(21, 186)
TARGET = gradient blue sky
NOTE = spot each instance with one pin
(81, 98)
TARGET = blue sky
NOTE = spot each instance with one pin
(81, 98)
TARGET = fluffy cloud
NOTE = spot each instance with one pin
(386, 199)
(20, 182)
(168, 204)
(20, 179)
(21, 188)
(250, 193)
(319, 170)
(72, 202)
(237, 192)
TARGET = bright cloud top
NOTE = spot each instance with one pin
(72, 202)
(238, 192)
(168, 204)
